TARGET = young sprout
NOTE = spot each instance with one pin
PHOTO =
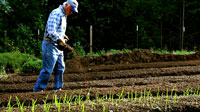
(83, 107)
(166, 102)
(88, 95)
(191, 90)
(20, 105)
(92, 105)
(140, 98)
(157, 94)
(131, 95)
(33, 105)
(121, 95)
(187, 92)
(175, 97)
(70, 98)
(9, 105)
(80, 98)
(110, 95)
(65, 98)
(197, 92)
(46, 106)
(144, 92)
(104, 108)
(69, 106)
(128, 95)
(135, 96)
(148, 95)
(57, 102)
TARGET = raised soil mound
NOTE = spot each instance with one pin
(84, 64)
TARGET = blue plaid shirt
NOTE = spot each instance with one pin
(56, 24)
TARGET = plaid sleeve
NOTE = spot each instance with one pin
(52, 26)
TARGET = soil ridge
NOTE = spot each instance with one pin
(83, 64)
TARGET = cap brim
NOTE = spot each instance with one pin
(75, 9)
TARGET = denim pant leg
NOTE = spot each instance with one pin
(50, 56)
(58, 72)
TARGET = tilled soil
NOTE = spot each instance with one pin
(147, 73)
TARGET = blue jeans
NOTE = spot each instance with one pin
(53, 60)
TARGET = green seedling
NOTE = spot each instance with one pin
(57, 102)
(69, 106)
(33, 105)
(144, 93)
(92, 104)
(110, 95)
(70, 98)
(65, 98)
(9, 105)
(97, 97)
(20, 105)
(175, 95)
(172, 91)
(128, 95)
(157, 94)
(191, 90)
(80, 98)
(46, 106)
(104, 108)
(83, 107)
(121, 95)
(187, 92)
(88, 95)
(166, 102)
(131, 95)
(197, 92)
(135, 96)
(140, 98)
(148, 95)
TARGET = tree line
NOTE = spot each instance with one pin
(117, 24)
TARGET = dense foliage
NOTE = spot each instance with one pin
(32, 66)
(13, 61)
(114, 22)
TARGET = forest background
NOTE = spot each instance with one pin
(117, 24)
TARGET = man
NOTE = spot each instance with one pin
(53, 46)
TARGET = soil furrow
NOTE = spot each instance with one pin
(124, 73)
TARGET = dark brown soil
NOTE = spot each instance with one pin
(132, 72)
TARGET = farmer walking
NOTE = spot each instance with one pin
(53, 45)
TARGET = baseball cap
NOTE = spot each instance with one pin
(73, 4)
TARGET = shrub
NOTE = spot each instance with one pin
(32, 66)
(79, 49)
(12, 61)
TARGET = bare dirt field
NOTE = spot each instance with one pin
(140, 71)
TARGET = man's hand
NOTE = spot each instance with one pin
(66, 38)
(63, 46)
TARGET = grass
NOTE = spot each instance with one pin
(145, 99)
(176, 52)
(114, 51)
